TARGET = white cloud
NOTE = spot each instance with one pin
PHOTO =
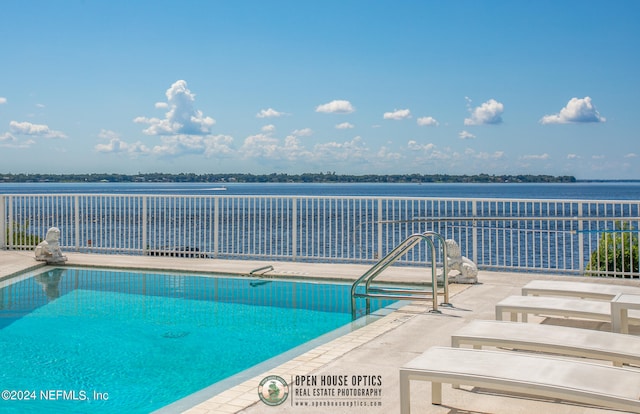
(489, 112)
(631, 155)
(41, 106)
(344, 125)
(385, 154)
(269, 113)
(171, 146)
(161, 105)
(217, 145)
(9, 141)
(598, 157)
(544, 156)
(336, 107)
(3, 100)
(573, 157)
(427, 121)
(268, 128)
(260, 145)
(305, 132)
(115, 145)
(353, 150)
(182, 117)
(267, 147)
(27, 128)
(414, 146)
(496, 155)
(576, 111)
(466, 135)
(7, 138)
(397, 114)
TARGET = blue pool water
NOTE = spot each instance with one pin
(80, 340)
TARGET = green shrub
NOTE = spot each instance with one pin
(21, 235)
(617, 252)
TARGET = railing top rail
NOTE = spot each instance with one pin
(337, 197)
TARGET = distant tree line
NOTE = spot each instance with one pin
(322, 177)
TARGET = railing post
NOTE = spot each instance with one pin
(294, 228)
(10, 223)
(581, 239)
(76, 220)
(474, 233)
(144, 226)
(216, 226)
(379, 220)
(3, 223)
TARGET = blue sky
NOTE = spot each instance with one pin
(355, 87)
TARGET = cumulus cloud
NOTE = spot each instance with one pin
(576, 111)
(9, 141)
(176, 145)
(573, 157)
(217, 145)
(489, 112)
(268, 128)
(170, 146)
(116, 145)
(260, 145)
(631, 155)
(182, 117)
(267, 147)
(269, 113)
(466, 135)
(414, 146)
(344, 125)
(305, 132)
(427, 121)
(353, 150)
(385, 154)
(3, 100)
(38, 130)
(336, 107)
(397, 114)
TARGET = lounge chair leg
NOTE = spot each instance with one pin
(405, 393)
(436, 393)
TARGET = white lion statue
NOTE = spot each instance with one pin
(467, 270)
(49, 249)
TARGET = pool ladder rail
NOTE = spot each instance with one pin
(379, 292)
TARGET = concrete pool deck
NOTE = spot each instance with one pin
(378, 349)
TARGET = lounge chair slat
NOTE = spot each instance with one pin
(564, 379)
(576, 289)
(587, 343)
(552, 306)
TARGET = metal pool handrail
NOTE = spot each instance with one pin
(407, 294)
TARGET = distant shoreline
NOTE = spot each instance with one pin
(289, 178)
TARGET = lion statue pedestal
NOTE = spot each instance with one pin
(49, 249)
(467, 270)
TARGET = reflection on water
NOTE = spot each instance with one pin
(50, 282)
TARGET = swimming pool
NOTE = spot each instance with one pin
(104, 341)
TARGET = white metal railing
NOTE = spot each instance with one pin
(498, 234)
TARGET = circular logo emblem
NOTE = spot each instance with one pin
(273, 390)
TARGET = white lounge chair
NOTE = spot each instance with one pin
(576, 289)
(617, 348)
(569, 380)
(563, 307)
